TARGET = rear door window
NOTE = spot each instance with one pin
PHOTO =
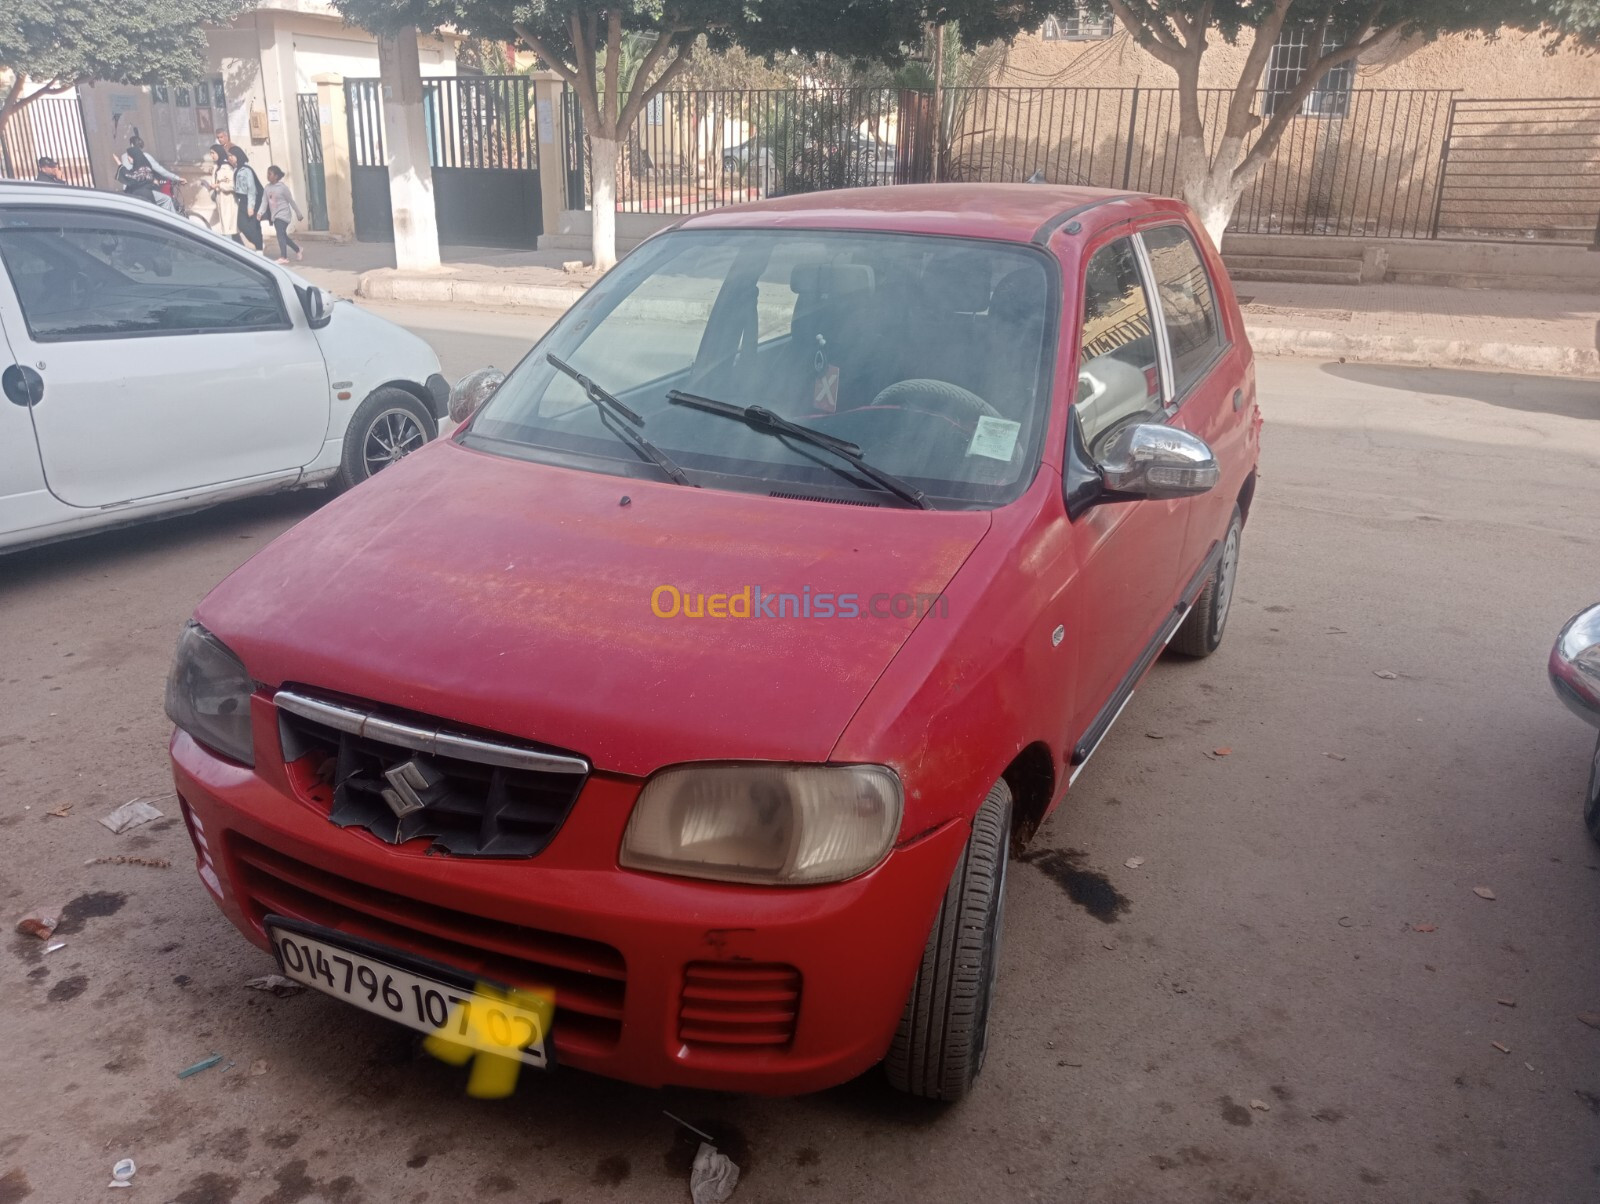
(1188, 304)
(1119, 380)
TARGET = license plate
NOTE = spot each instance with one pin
(412, 991)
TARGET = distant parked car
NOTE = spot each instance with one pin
(1575, 674)
(701, 684)
(153, 367)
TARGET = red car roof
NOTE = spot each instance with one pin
(1013, 212)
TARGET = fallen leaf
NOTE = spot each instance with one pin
(1506, 1003)
(1222, 752)
(1502, 1048)
(1592, 1019)
(61, 812)
(1483, 892)
(1424, 927)
(1386, 674)
(1261, 1105)
(1134, 863)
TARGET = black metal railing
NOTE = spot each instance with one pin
(483, 122)
(51, 126)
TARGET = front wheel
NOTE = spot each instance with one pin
(1201, 632)
(386, 427)
(939, 1046)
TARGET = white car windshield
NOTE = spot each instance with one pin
(928, 357)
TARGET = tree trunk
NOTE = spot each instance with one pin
(1207, 182)
(603, 154)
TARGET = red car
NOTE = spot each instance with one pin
(702, 680)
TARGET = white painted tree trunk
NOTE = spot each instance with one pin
(1206, 182)
(603, 201)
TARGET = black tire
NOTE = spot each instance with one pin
(1201, 632)
(390, 417)
(939, 1046)
(1591, 802)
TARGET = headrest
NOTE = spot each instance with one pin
(1020, 294)
(957, 281)
(830, 279)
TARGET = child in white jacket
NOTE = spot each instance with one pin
(277, 204)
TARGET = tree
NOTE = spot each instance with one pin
(49, 46)
(582, 40)
(1575, 23)
(1178, 33)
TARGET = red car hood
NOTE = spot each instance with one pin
(517, 598)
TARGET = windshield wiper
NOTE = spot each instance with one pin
(611, 409)
(762, 419)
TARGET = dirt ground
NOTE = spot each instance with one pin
(1295, 997)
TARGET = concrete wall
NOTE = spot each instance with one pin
(1451, 263)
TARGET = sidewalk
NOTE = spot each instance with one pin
(1554, 334)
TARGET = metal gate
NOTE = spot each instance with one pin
(483, 151)
(1523, 169)
(53, 126)
(316, 185)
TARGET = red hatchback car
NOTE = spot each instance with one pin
(700, 683)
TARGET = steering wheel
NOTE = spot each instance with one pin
(940, 397)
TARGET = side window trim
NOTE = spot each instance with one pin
(1224, 342)
(1158, 323)
(285, 319)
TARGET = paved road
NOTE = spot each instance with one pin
(1302, 932)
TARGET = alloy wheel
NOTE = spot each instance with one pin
(392, 436)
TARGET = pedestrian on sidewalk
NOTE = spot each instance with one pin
(277, 204)
(49, 171)
(247, 192)
(220, 186)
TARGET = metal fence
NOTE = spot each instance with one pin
(53, 126)
(1521, 169)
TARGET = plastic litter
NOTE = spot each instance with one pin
(122, 1173)
(39, 922)
(276, 983)
(54, 945)
(130, 815)
(713, 1176)
(202, 1064)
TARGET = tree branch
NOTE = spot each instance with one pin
(642, 95)
(613, 58)
(1141, 25)
(554, 62)
(1241, 105)
(639, 94)
(588, 88)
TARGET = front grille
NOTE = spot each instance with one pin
(739, 1004)
(402, 779)
(588, 977)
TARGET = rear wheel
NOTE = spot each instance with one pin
(939, 1047)
(1201, 632)
(388, 426)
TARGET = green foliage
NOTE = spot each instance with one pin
(60, 42)
(1575, 23)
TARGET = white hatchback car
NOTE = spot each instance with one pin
(151, 367)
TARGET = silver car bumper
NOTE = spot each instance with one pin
(1575, 665)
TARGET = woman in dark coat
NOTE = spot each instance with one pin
(247, 190)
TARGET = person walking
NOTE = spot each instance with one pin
(277, 204)
(138, 172)
(220, 185)
(247, 191)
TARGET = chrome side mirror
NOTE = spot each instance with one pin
(315, 303)
(469, 393)
(1575, 665)
(1155, 461)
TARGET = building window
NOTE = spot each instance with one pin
(1078, 24)
(1290, 54)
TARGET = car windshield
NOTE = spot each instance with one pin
(930, 355)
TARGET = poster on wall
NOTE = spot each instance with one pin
(202, 120)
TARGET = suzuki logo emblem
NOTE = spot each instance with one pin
(412, 786)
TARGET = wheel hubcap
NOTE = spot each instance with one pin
(393, 435)
(1225, 573)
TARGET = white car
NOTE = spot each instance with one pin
(151, 367)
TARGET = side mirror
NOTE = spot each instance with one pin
(1155, 461)
(316, 305)
(469, 393)
(1575, 665)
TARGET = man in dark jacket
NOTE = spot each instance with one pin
(49, 171)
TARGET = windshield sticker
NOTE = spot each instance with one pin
(995, 438)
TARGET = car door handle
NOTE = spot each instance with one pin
(1238, 400)
(22, 385)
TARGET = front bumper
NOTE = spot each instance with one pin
(658, 980)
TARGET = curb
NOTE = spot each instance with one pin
(387, 284)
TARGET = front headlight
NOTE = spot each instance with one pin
(783, 825)
(208, 694)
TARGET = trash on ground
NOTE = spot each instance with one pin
(54, 945)
(202, 1064)
(1592, 1019)
(1502, 1048)
(40, 922)
(1529, 1065)
(258, 1067)
(1221, 752)
(713, 1176)
(1506, 1003)
(60, 812)
(130, 815)
(276, 983)
(1334, 756)
(155, 863)
(1424, 927)
(122, 1173)
(1483, 892)
(1134, 863)
(679, 1120)
(1154, 736)
(1386, 674)
(1261, 1105)
(1346, 922)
